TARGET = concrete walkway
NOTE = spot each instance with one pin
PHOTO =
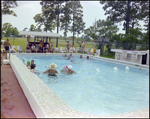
(13, 101)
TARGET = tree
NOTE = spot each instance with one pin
(25, 29)
(79, 25)
(43, 20)
(129, 42)
(7, 28)
(32, 27)
(65, 18)
(145, 42)
(118, 11)
(77, 14)
(145, 13)
(101, 32)
(5, 9)
(117, 39)
(50, 12)
(14, 32)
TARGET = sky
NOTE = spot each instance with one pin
(26, 10)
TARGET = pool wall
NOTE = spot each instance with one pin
(43, 101)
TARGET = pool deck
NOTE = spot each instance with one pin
(13, 101)
(12, 106)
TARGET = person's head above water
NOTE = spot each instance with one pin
(32, 61)
(87, 57)
(80, 56)
(69, 67)
(52, 66)
(71, 59)
(28, 62)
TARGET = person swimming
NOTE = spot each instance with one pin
(88, 58)
(81, 56)
(70, 71)
(65, 68)
(71, 60)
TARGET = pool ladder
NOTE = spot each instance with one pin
(20, 57)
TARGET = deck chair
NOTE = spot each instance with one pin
(18, 48)
(62, 49)
(91, 52)
(78, 49)
(71, 50)
(56, 50)
(2, 48)
(12, 49)
(97, 52)
(87, 50)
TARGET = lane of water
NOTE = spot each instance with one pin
(103, 92)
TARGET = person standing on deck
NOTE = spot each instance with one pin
(68, 46)
(6, 46)
(82, 48)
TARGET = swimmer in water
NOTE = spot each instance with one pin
(52, 71)
(65, 68)
(88, 58)
(70, 71)
(71, 60)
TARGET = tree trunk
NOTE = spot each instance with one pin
(128, 16)
(57, 27)
(148, 26)
(1, 23)
(73, 27)
(73, 31)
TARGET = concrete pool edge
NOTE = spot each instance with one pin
(40, 102)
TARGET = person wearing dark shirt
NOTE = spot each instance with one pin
(32, 66)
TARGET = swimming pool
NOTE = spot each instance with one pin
(105, 92)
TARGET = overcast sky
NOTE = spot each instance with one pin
(26, 10)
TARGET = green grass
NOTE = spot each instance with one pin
(111, 56)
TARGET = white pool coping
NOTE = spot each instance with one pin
(45, 103)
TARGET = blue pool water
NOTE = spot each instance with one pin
(106, 92)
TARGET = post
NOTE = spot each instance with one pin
(9, 54)
(34, 40)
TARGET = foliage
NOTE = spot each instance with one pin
(32, 28)
(8, 30)
(129, 42)
(101, 32)
(145, 13)
(7, 5)
(65, 19)
(145, 42)
(5, 9)
(127, 11)
(25, 29)
(77, 18)
(14, 31)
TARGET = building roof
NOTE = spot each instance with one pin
(35, 33)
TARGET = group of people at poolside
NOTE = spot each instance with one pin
(41, 48)
(72, 48)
